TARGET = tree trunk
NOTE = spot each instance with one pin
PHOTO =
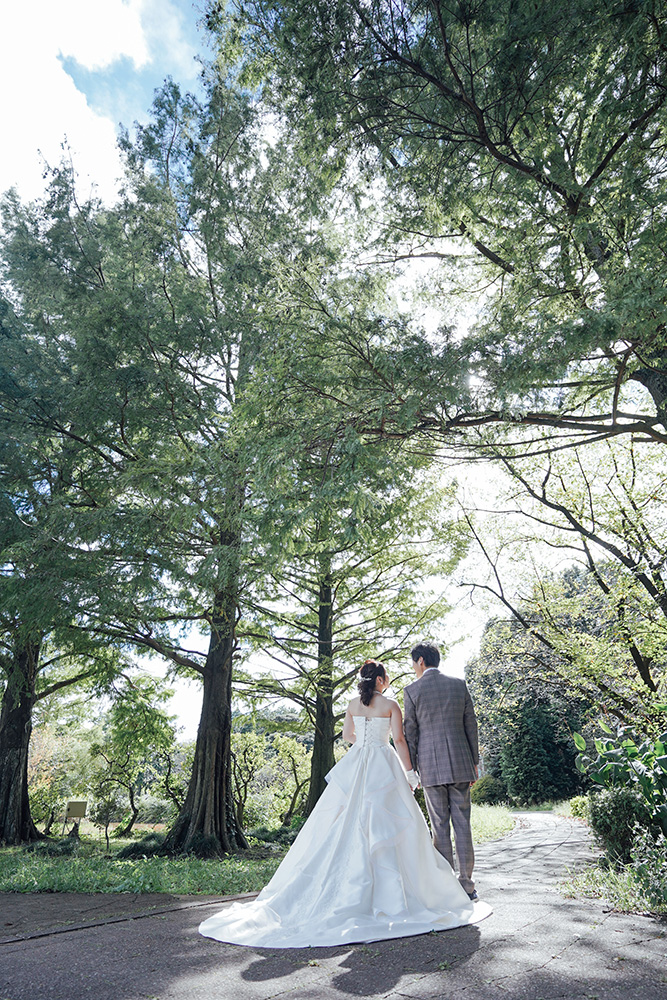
(16, 824)
(207, 823)
(286, 817)
(323, 753)
(49, 823)
(654, 378)
(134, 812)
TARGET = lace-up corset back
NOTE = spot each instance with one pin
(371, 732)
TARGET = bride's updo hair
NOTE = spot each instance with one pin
(369, 673)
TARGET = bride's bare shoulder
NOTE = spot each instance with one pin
(354, 706)
(382, 706)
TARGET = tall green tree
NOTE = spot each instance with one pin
(140, 331)
(354, 580)
(149, 308)
(52, 487)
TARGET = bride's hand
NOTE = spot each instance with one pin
(413, 779)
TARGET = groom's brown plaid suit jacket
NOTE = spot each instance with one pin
(441, 729)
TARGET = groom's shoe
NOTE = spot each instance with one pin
(473, 895)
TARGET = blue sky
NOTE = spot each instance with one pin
(75, 69)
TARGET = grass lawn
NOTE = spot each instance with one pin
(91, 869)
(491, 822)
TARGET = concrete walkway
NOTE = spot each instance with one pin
(536, 946)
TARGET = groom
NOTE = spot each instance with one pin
(441, 733)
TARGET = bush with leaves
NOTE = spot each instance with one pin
(271, 775)
(147, 847)
(614, 815)
(537, 759)
(63, 848)
(107, 806)
(579, 807)
(649, 864)
(488, 790)
(628, 761)
(136, 735)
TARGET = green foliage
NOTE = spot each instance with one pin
(136, 733)
(106, 807)
(600, 625)
(554, 188)
(579, 806)
(271, 775)
(146, 847)
(249, 750)
(649, 865)
(524, 722)
(58, 769)
(537, 760)
(628, 762)
(279, 835)
(53, 848)
(488, 790)
(613, 815)
(619, 887)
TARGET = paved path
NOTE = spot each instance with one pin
(536, 946)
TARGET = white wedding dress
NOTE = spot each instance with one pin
(362, 868)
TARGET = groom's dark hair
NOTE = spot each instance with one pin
(429, 651)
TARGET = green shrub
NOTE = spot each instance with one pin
(649, 864)
(537, 759)
(153, 809)
(579, 806)
(488, 791)
(613, 815)
(147, 847)
(630, 760)
(53, 849)
(281, 835)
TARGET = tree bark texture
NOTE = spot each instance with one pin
(323, 753)
(207, 823)
(16, 824)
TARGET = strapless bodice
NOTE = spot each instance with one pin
(371, 732)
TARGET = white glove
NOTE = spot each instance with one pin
(413, 779)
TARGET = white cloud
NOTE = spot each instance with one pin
(97, 34)
(41, 104)
(163, 24)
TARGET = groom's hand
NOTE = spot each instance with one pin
(476, 775)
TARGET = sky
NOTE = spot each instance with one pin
(72, 71)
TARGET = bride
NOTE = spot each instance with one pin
(363, 867)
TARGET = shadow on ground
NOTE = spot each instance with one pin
(536, 946)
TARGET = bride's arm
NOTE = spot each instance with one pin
(397, 735)
(348, 727)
